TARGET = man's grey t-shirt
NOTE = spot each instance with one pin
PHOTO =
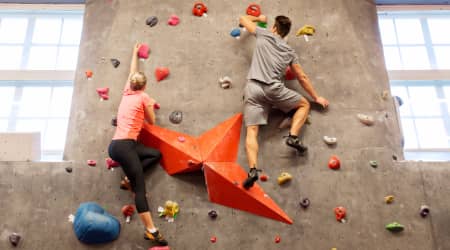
(271, 57)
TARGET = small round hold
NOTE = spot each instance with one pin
(69, 170)
(14, 239)
(91, 163)
(176, 117)
(115, 62)
(277, 239)
(181, 139)
(212, 214)
(305, 203)
(151, 21)
(264, 178)
(394, 157)
(424, 211)
(114, 121)
(213, 239)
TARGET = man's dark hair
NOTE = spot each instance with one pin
(283, 25)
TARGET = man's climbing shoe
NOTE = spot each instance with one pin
(125, 184)
(251, 179)
(294, 142)
(156, 237)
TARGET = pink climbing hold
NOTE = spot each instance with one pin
(110, 163)
(173, 20)
(161, 73)
(160, 248)
(91, 163)
(144, 51)
(103, 93)
(181, 139)
(156, 106)
(289, 74)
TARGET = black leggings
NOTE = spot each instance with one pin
(135, 159)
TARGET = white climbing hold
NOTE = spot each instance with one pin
(71, 218)
(225, 82)
(330, 140)
(366, 119)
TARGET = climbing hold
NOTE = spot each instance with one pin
(160, 248)
(111, 164)
(14, 239)
(213, 239)
(169, 211)
(366, 119)
(89, 74)
(333, 248)
(156, 106)
(254, 10)
(225, 82)
(373, 164)
(103, 93)
(199, 9)
(334, 163)
(176, 117)
(289, 75)
(181, 139)
(399, 100)
(385, 95)
(264, 177)
(277, 239)
(305, 31)
(68, 169)
(144, 51)
(394, 157)
(173, 20)
(340, 213)
(115, 62)
(389, 199)
(128, 211)
(424, 211)
(284, 178)
(151, 21)
(236, 33)
(395, 227)
(212, 214)
(262, 24)
(330, 140)
(114, 121)
(91, 163)
(305, 203)
(161, 73)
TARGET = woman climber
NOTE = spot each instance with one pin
(135, 108)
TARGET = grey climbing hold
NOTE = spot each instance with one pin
(151, 21)
(115, 62)
(176, 117)
(212, 214)
(14, 239)
(68, 169)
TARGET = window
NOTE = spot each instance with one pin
(39, 53)
(417, 54)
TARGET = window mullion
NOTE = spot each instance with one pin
(428, 43)
(28, 42)
(12, 121)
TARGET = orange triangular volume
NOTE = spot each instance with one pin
(179, 156)
(221, 143)
(224, 183)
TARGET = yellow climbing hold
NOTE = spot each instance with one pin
(284, 177)
(389, 199)
(308, 30)
(170, 209)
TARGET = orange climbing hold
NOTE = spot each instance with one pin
(340, 213)
(334, 163)
(199, 9)
(89, 74)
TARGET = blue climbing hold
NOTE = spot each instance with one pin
(236, 32)
(93, 225)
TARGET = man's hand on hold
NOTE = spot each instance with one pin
(322, 101)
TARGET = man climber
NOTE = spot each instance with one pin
(264, 88)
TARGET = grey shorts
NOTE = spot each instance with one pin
(260, 97)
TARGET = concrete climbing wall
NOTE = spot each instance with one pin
(344, 61)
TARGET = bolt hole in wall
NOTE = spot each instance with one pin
(417, 53)
(39, 53)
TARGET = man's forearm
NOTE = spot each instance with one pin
(307, 86)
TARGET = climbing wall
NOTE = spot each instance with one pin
(345, 63)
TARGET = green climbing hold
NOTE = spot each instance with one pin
(395, 227)
(373, 164)
(262, 25)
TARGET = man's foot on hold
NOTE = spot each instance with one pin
(155, 237)
(294, 142)
(252, 178)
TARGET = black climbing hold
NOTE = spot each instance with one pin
(14, 239)
(399, 100)
(212, 214)
(176, 117)
(394, 157)
(151, 21)
(115, 62)
(68, 169)
(114, 121)
(305, 203)
(424, 211)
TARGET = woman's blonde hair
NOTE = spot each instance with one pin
(138, 81)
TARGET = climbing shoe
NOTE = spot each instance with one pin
(156, 237)
(294, 142)
(252, 177)
(125, 184)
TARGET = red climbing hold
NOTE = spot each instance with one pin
(254, 10)
(89, 73)
(91, 163)
(199, 9)
(213, 239)
(160, 248)
(144, 51)
(128, 211)
(156, 106)
(264, 177)
(334, 163)
(277, 239)
(103, 93)
(110, 163)
(161, 73)
(173, 20)
(289, 75)
(340, 213)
